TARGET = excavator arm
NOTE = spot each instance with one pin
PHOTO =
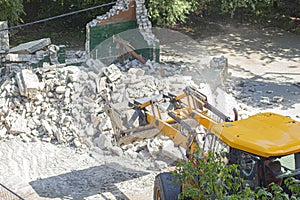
(175, 116)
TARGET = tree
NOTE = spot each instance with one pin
(10, 10)
(169, 12)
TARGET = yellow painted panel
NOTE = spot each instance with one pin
(265, 134)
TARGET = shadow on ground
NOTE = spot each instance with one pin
(84, 183)
(266, 91)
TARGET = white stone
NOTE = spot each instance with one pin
(28, 83)
(19, 126)
(3, 132)
(77, 143)
(160, 165)
(31, 47)
(136, 71)
(60, 89)
(130, 153)
(277, 99)
(25, 138)
(47, 127)
(103, 142)
(112, 72)
(170, 151)
(116, 150)
(46, 139)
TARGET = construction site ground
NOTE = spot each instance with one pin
(264, 69)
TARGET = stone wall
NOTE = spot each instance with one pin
(4, 38)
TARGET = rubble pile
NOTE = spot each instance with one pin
(64, 104)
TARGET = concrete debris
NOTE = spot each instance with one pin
(169, 150)
(277, 99)
(28, 83)
(158, 165)
(13, 57)
(103, 142)
(112, 72)
(116, 150)
(18, 126)
(31, 47)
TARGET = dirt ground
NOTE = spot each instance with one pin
(267, 60)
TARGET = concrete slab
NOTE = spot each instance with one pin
(31, 47)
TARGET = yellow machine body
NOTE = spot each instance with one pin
(264, 134)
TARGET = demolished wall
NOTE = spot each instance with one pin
(125, 15)
(4, 41)
(4, 38)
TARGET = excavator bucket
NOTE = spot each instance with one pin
(129, 124)
(174, 115)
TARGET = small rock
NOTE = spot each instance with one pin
(25, 138)
(116, 150)
(277, 99)
(158, 164)
(77, 143)
(19, 126)
(265, 100)
(60, 89)
(132, 154)
(103, 142)
(46, 139)
(3, 132)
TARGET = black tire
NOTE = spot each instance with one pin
(165, 188)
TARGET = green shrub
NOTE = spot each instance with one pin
(11, 10)
(213, 179)
(169, 12)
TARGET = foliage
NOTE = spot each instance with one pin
(37, 9)
(11, 10)
(169, 12)
(216, 180)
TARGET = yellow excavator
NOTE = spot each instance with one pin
(255, 144)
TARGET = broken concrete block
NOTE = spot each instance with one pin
(112, 72)
(31, 47)
(170, 151)
(28, 83)
(53, 51)
(19, 126)
(3, 132)
(277, 99)
(60, 89)
(159, 165)
(46, 126)
(103, 142)
(19, 57)
(77, 143)
(25, 138)
(116, 150)
(136, 71)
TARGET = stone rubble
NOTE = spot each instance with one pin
(64, 104)
(31, 47)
